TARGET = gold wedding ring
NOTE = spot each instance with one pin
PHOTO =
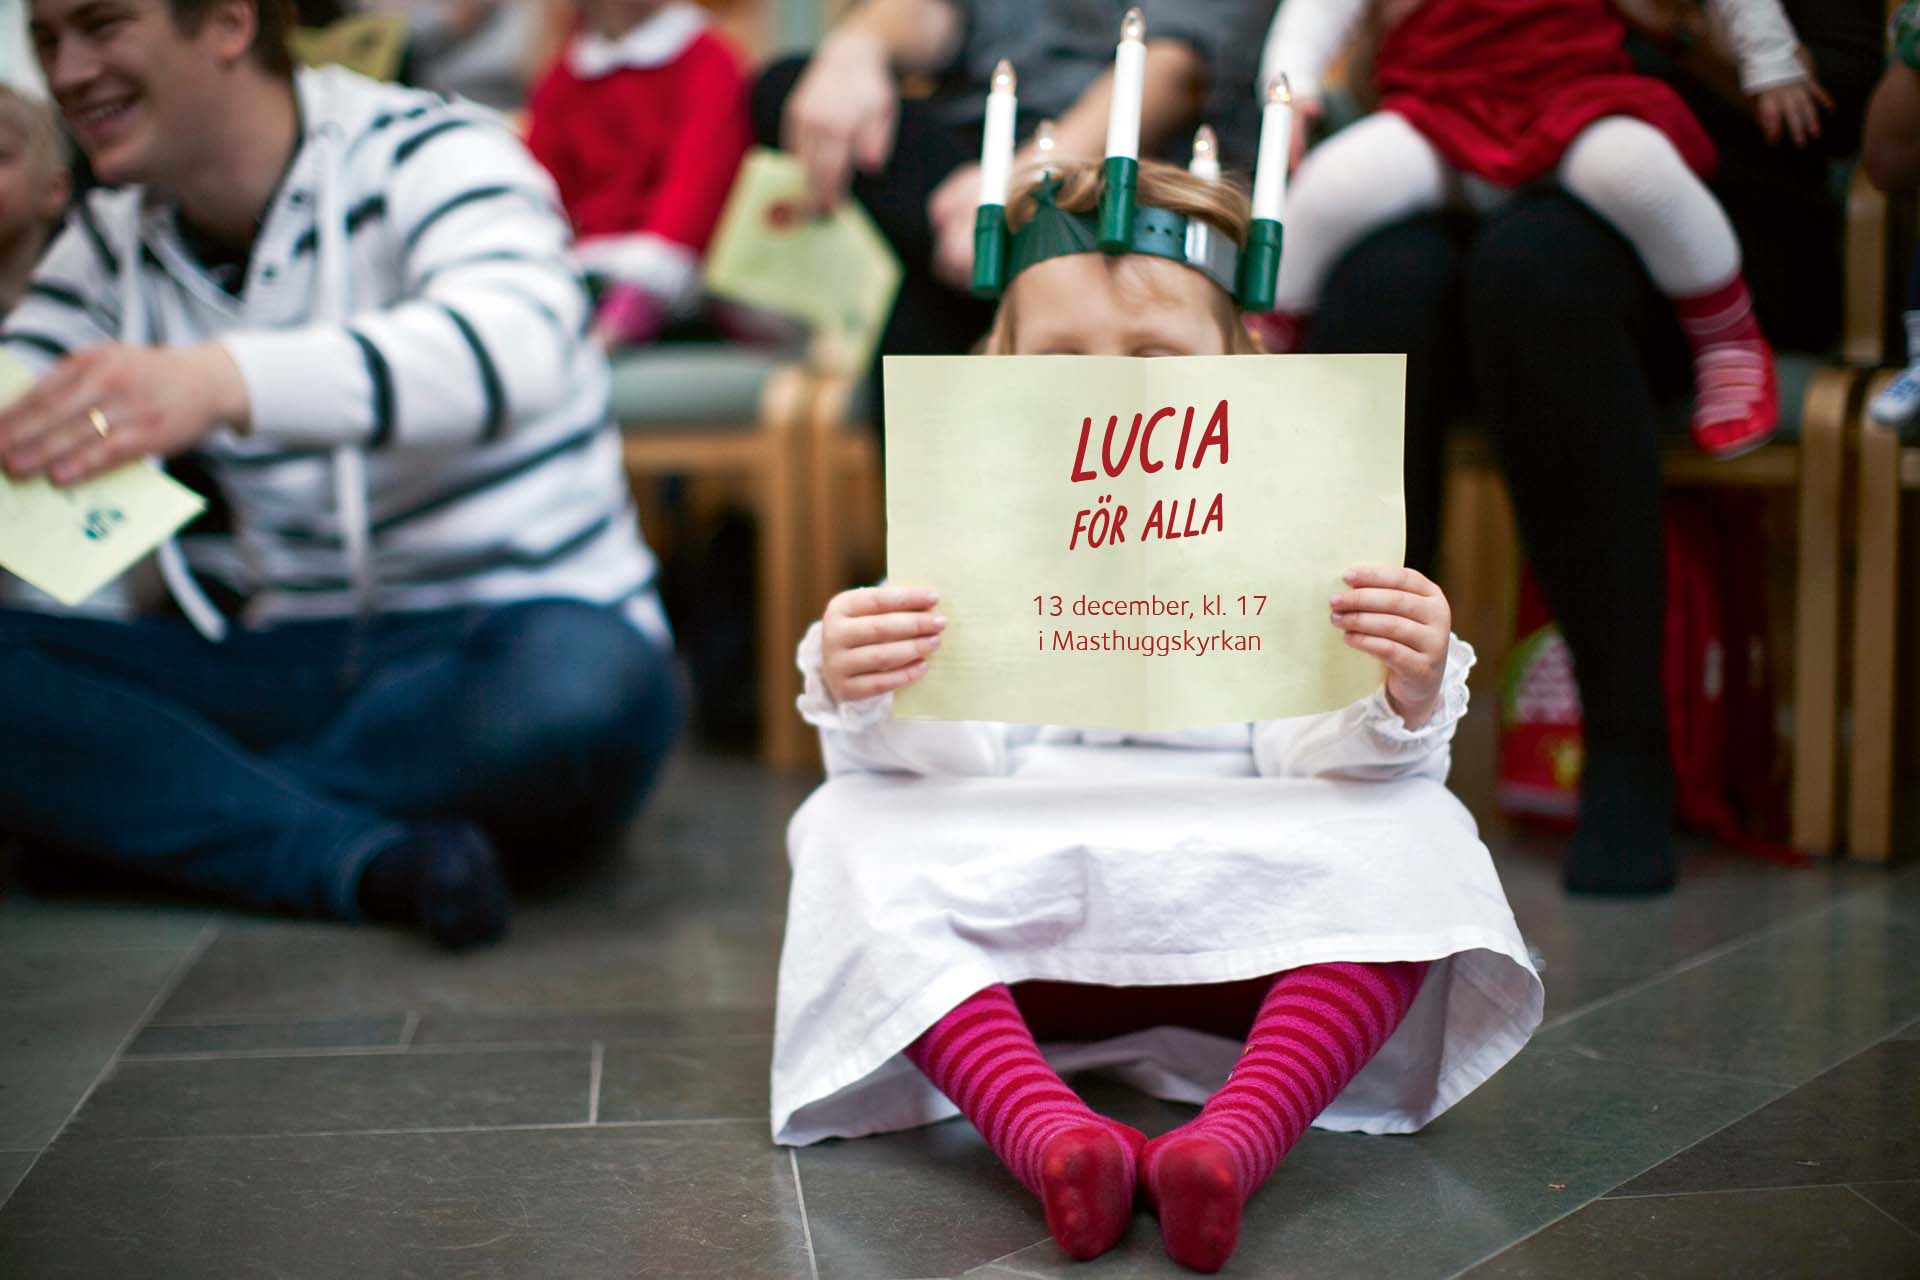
(98, 418)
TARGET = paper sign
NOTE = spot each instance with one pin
(71, 542)
(835, 272)
(372, 44)
(1141, 544)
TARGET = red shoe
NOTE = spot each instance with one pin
(1736, 406)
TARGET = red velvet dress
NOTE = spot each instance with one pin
(648, 150)
(1502, 87)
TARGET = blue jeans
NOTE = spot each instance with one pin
(267, 770)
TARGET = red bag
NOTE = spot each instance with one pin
(1728, 774)
(1542, 743)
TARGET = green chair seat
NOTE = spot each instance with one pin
(679, 385)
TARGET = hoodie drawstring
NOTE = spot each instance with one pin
(333, 269)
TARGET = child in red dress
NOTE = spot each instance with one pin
(642, 122)
(1480, 97)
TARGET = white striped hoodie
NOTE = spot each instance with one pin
(429, 416)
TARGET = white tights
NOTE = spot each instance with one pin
(1381, 170)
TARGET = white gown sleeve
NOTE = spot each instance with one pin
(1367, 740)
(1305, 37)
(1761, 41)
(863, 737)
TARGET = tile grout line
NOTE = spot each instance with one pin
(595, 1067)
(1724, 1191)
(168, 985)
(806, 1224)
(1837, 902)
(1001, 1261)
(1591, 1200)
(432, 1131)
(398, 1050)
(1599, 1055)
(409, 1029)
(1706, 957)
(1882, 1212)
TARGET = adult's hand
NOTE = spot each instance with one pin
(150, 400)
(950, 212)
(842, 113)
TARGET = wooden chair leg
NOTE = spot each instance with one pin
(786, 741)
(1479, 566)
(826, 420)
(1876, 611)
(1816, 666)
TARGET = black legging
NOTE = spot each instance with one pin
(1566, 345)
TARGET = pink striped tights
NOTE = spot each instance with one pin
(1316, 1028)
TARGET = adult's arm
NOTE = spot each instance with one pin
(1304, 39)
(843, 109)
(490, 315)
(1891, 149)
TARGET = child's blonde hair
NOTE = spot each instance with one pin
(1221, 205)
(39, 131)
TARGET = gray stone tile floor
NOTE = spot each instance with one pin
(1728, 1084)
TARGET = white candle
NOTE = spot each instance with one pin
(1206, 155)
(1043, 148)
(996, 143)
(1129, 77)
(1276, 139)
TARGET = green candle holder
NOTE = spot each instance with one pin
(1117, 204)
(1260, 265)
(989, 250)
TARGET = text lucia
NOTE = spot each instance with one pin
(1105, 522)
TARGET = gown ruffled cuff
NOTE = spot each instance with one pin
(816, 702)
(1382, 720)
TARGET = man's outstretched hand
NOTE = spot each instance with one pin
(152, 401)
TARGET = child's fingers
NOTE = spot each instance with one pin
(881, 628)
(873, 658)
(1384, 600)
(883, 599)
(886, 682)
(1799, 122)
(1393, 655)
(1417, 636)
(1392, 577)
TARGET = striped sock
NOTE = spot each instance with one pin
(1736, 403)
(1080, 1164)
(1318, 1027)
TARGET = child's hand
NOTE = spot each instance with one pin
(1794, 107)
(1402, 619)
(874, 640)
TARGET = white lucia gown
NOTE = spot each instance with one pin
(941, 857)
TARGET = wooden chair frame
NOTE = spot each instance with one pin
(770, 454)
(1886, 471)
(1480, 553)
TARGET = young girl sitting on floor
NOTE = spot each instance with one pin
(1141, 901)
(1479, 97)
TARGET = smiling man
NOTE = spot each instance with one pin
(439, 644)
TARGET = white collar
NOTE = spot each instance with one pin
(654, 43)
